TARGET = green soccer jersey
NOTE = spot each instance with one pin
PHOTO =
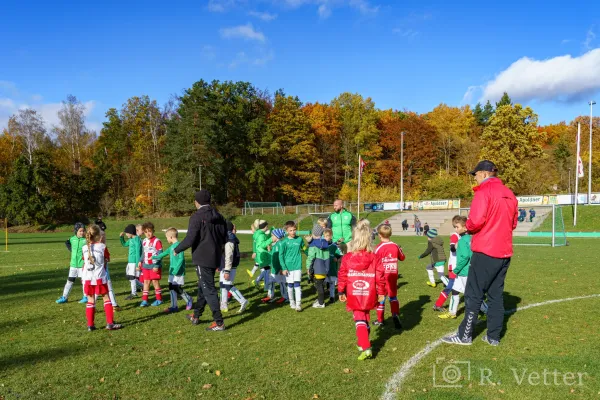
(177, 262)
(290, 254)
(76, 251)
(275, 264)
(135, 248)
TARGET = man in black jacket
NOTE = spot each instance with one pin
(206, 235)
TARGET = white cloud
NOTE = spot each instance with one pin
(222, 5)
(563, 78)
(589, 38)
(246, 32)
(324, 11)
(325, 7)
(265, 16)
(406, 33)
(254, 60)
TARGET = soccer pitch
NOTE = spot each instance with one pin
(549, 351)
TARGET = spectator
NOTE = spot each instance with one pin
(417, 226)
(405, 225)
(100, 223)
(425, 228)
(531, 214)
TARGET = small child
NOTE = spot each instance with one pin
(290, 258)
(463, 262)
(435, 247)
(74, 245)
(361, 283)
(336, 251)
(454, 238)
(390, 254)
(263, 256)
(176, 272)
(231, 261)
(111, 292)
(318, 263)
(152, 269)
(276, 277)
(95, 256)
(253, 228)
(135, 253)
(139, 231)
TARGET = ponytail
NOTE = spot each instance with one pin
(92, 235)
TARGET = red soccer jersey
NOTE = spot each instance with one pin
(361, 278)
(390, 253)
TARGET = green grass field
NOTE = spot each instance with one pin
(271, 352)
(588, 220)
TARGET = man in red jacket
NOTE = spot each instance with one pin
(492, 219)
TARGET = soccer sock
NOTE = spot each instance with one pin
(441, 300)
(223, 297)
(109, 312)
(394, 306)
(298, 292)
(362, 334)
(145, 295)
(380, 311)
(111, 294)
(237, 295)
(133, 287)
(290, 291)
(67, 289)
(90, 311)
(158, 294)
(430, 274)
(186, 297)
(443, 278)
(173, 298)
(254, 269)
(454, 304)
(484, 307)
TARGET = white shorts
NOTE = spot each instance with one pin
(177, 280)
(460, 284)
(294, 276)
(231, 277)
(131, 270)
(75, 272)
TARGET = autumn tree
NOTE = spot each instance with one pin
(505, 100)
(29, 126)
(71, 133)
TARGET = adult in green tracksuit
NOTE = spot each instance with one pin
(341, 222)
(74, 245)
(134, 243)
(435, 248)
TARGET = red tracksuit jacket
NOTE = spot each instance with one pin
(362, 278)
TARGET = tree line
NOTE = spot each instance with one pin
(245, 143)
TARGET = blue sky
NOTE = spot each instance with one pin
(404, 54)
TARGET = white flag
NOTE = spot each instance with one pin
(579, 167)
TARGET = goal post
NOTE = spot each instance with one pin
(262, 207)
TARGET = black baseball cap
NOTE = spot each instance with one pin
(484, 165)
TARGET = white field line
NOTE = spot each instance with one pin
(395, 382)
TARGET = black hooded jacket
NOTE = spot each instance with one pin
(206, 235)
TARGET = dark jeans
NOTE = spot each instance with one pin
(486, 276)
(207, 293)
(320, 285)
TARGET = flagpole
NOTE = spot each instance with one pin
(577, 174)
(359, 176)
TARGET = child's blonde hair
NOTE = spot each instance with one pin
(327, 231)
(322, 221)
(361, 237)
(92, 235)
(385, 231)
(171, 233)
(254, 225)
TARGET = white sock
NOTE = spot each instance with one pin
(111, 294)
(67, 289)
(454, 304)
(133, 287)
(484, 308)
(298, 291)
(431, 278)
(237, 295)
(290, 291)
(254, 269)
(444, 279)
(223, 298)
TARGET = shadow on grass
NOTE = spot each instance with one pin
(14, 361)
(28, 282)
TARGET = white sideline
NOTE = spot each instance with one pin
(395, 383)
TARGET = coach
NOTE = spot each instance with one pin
(492, 219)
(341, 222)
(206, 235)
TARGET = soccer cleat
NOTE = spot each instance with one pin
(360, 350)
(454, 339)
(189, 305)
(378, 323)
(317, 305)
(447, 315)
(192, 319)
(439, 309)
(262, 285)
(224, 310)
(365, 354)
(216, 327)
(431, 284)
(293, 305)
(144, 303)
(253, 282)
(83, 300)
(156, 303)
(281, 300)
(397, 323)
(171, 310)
(91, 328)
(243, 306)
(62, 300)
(117, 308)
(131, 297)
(491, 342)
(249, 273)
(113, 327)
(299, 308)
(265, 299)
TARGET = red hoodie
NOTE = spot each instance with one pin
(492, 219)
(362, 278)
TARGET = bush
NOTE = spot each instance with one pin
(229, 210)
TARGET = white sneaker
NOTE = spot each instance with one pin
(293, 305)
(317, 305)
(243, 306)
(298, 308)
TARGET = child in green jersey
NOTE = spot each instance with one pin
(74, 245)
(290, 258)
(134, 243)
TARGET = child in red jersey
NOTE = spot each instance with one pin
(361, 283)
(152, 269)
(390, 253)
